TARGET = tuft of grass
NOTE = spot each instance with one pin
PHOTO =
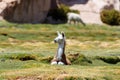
(79, 59)
(46, 59)
(109, 59)
(20, 56)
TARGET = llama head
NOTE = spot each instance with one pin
(60, 38)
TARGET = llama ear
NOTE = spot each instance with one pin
(63, 34)
(58, 32)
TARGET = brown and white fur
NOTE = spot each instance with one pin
(60, 57)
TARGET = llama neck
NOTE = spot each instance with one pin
(61, 45)
(61, 49)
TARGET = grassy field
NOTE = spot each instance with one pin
(27, 49)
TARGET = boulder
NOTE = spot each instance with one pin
(25, 11)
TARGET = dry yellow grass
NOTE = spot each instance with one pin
(60, 72)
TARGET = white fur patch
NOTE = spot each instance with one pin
(60, 63)
(54, 63)
(60, 52)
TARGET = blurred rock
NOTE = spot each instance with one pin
(25, 11)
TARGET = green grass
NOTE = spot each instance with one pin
(27, 49)
(38, 31)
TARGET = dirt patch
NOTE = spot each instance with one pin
(34, 44)
(72, 42)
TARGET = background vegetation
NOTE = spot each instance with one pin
(60, 13)
(111, 17)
